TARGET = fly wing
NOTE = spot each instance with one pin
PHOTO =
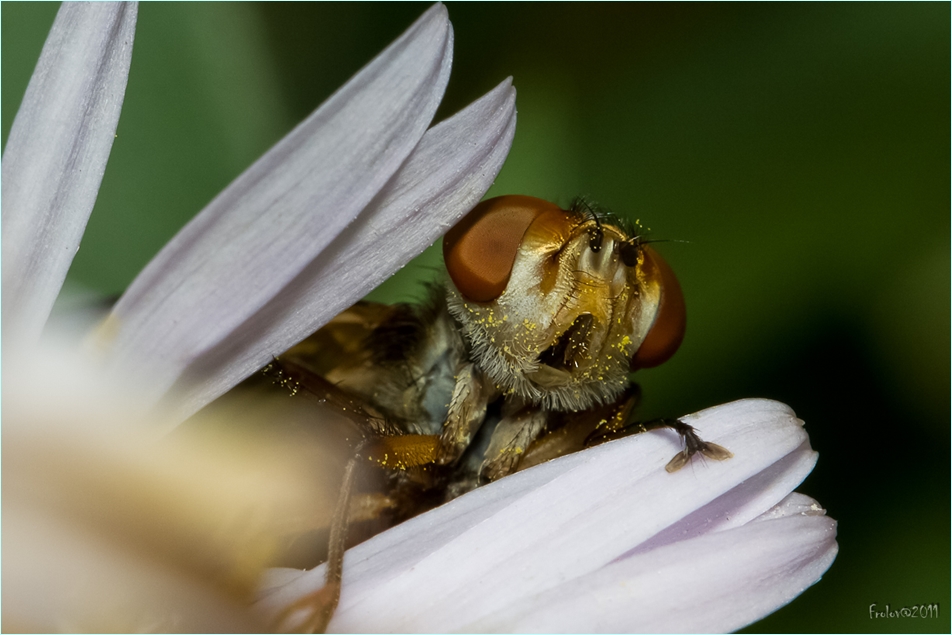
(343, 346)
(371, 352)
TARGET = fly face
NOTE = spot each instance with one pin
(559, 305)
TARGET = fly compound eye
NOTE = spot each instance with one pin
(666, 332)
(481, 248)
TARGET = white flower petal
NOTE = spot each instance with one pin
(265, 227)
(525, 535)
(715, 583)
(444, 177)
(795, 504)
(56, 155)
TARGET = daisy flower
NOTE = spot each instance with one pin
(601, 540)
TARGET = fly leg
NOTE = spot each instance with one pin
(299, 382)
(466, 413)
(393, 453)
(510, 440)
(320, 604)
(693, 444)
(616, 425)
(382, 445)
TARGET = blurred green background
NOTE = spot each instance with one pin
(802, 150)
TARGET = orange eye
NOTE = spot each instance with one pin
(480, 249)
(667, 331)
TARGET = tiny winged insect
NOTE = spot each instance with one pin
(523, 355)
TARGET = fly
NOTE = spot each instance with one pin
(522, 355)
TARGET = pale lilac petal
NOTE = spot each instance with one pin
(56, 156)
(530, 533)
(274, 219)
(443, 178)
(715, 583)
(795, 504)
